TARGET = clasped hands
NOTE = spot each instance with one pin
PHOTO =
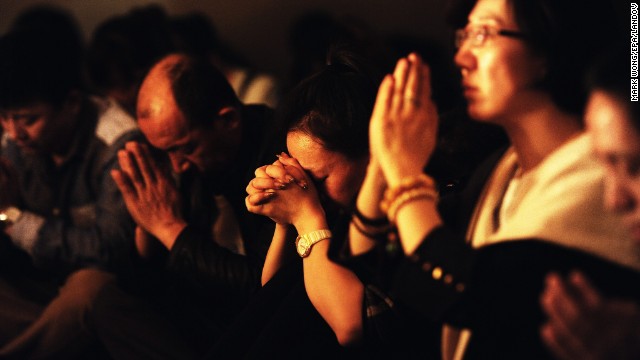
(404, 122)
(284, 192)
(150, 193)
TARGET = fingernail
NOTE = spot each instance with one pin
(290, 179)
(279, 184)
(303, 185)
(269, 194)
(278, 156)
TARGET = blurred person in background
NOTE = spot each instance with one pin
(195, 34)
(584, 323)
(123, 48)
(67, 231)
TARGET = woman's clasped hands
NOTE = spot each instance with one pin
(404, 122)
(283, 192)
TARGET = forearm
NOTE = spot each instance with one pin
(368, 204)
(415, 221)
(335, 292)
(278, 253)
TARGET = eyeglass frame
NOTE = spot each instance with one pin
(462, 35)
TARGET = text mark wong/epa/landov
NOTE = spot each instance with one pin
(634, 51)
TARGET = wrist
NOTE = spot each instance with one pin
(169, 233)
(305, 242)
(407, 190)
(395, 177)
(311, 221)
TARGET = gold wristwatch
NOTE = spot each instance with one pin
(305, 242)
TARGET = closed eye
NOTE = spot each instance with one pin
(318, 181)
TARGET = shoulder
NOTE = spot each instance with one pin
(113, 122)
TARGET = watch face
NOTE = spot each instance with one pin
(303, 247)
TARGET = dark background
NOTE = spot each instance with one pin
(258, 29)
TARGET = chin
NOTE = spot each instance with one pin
(480, 114)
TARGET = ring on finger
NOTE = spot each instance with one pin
(412, 99)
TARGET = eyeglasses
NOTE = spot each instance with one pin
(480, 33)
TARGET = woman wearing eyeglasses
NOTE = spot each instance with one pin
(478, 262)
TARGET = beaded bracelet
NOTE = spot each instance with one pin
(410, 189)
(407, 197)
(420, 181)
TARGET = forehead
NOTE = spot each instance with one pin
(31, 109)
(159, 117)
(608, 122)
(496, 12)
(311, 154)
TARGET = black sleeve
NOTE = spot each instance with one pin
(494, 290)
(198, 259)
(436, 275)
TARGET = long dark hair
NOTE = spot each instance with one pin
(334, 105)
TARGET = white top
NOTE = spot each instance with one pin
(560, 201)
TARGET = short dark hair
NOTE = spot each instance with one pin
(610, 75)
(40, 60)
(567, 33)
(123, 48)
(334, 105)
(200, 89)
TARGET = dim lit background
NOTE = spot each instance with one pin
(258, 29)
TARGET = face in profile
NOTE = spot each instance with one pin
(337, 177)
(617, 144)
(35, 128)
(202, 148)
(498, 70)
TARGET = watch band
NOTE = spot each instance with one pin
(305, 242)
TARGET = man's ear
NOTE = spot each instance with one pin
(230, 117)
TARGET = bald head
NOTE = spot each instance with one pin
(179, 110)
(156, 84)
(198, 88)
(159, 116)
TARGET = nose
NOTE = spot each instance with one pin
(463, 58)
(179, 163)
(617, 197)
